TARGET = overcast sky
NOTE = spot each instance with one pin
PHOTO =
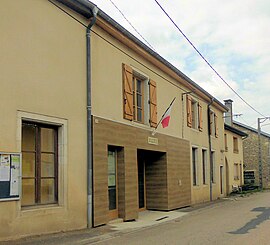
(233, 35)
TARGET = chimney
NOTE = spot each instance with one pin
(229, 114)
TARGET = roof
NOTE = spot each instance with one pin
(250, 129)
(235, 130)
(84, 8)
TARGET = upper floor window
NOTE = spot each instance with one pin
(140, 97)
(213, 124)
(226, 142)
(39, 164)
(235, 145)
(194, 113)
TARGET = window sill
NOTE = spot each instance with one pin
(38, 208)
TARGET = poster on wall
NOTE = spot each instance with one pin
(10, 173)
(15, 174)
(5, 167)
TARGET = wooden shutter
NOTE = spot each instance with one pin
(189, 111)
(153, 103)
(127, 92)
(200, 126)
(216, 127)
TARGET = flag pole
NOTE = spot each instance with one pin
(155, 129)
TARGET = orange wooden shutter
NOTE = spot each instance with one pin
(189, 111)
(127, 92)
(153, 103)
(200, 126)
(216, 127)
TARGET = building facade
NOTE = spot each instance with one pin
(136, 164)
(43, 120)
(234, 160)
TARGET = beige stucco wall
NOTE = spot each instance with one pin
(108, 56)
(232, 158)
(43, 73)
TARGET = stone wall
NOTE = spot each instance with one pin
(251, 155)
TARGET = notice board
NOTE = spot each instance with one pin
(10, 175)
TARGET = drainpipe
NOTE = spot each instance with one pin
(210, 148)
(89, 121)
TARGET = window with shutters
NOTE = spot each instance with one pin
(194, 114)
(139, 97)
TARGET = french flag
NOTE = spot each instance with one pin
(166, 118)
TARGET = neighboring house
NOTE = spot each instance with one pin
(251, 156)
(233, 142)
(43, 106)
(46, 80)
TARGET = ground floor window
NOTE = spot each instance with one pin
(212, 167)
(236, 171)
(204, 161)
(194, 165)
(39, 164)
(112, 178)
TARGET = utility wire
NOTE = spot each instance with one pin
(131, 24)
(249, 105)
(122, 51)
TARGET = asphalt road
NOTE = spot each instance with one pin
(241, 220)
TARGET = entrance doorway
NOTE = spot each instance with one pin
(152, 179)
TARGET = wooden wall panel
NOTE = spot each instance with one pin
(171, 164)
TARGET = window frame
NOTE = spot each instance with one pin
(135, 92)
(38, 161)
(235, 145)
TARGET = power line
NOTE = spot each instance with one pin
(249, 105)
(131, 24)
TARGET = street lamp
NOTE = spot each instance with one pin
(260, 120)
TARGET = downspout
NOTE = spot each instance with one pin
(89, 121)
(210, 148)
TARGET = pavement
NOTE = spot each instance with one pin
(113, 229)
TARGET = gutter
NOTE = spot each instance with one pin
(94, 10)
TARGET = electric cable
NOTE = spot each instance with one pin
(131, 25)
(200, 54)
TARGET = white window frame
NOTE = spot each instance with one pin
(146, 106)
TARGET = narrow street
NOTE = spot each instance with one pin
(243, 220)
(234, 220)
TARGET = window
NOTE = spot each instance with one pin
(235, 145)
(194, 114)
(204, 165)
(194, 165)
(39, 164)
(112, 178)
(213, 124)
(226, 142)
(236, 171)
(212, 166)
(139, 97)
